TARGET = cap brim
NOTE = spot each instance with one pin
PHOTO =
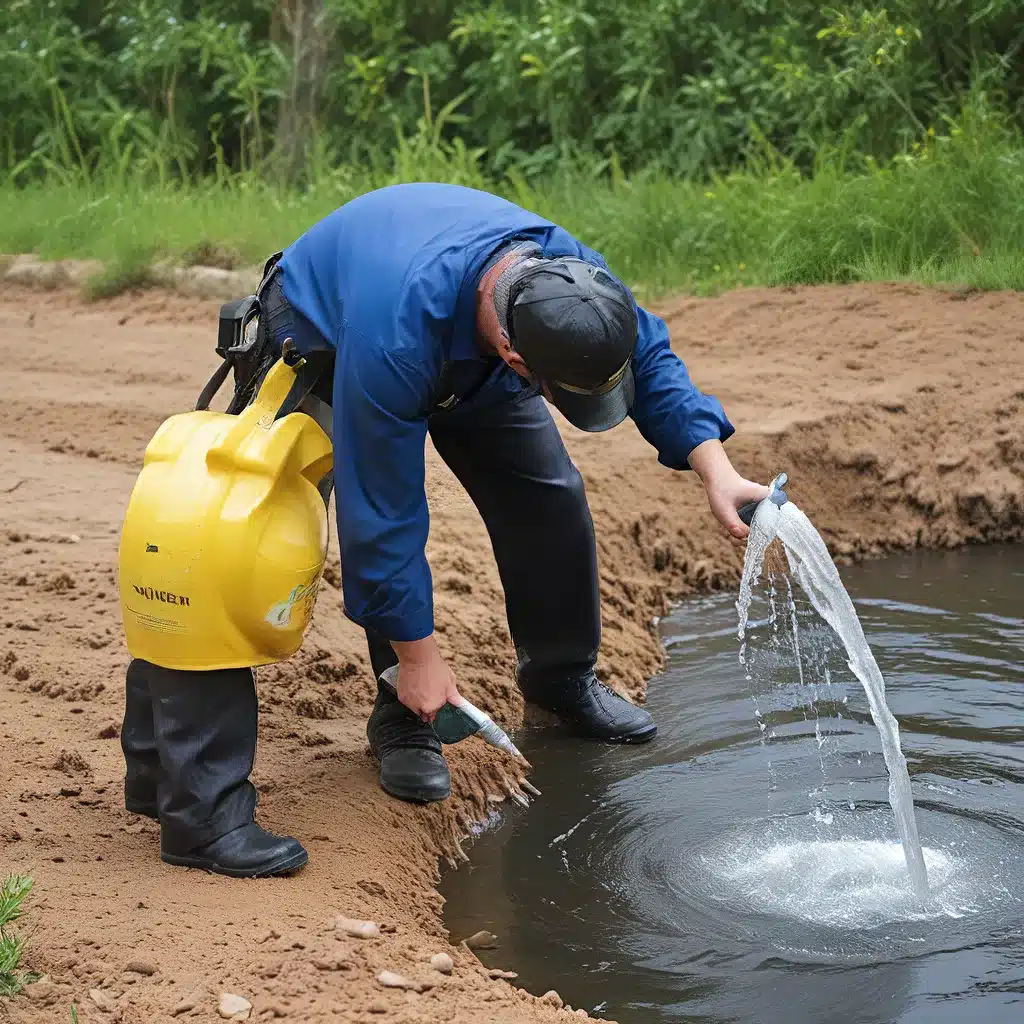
(595, 413)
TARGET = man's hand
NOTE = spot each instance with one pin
(727, 490)
(425, 682)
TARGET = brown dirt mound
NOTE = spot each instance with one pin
(898, 413)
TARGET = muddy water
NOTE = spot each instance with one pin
(746, 865)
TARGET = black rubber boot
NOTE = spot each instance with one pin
(205, 726)
(412, 766)
(588, 708)
(141, 758)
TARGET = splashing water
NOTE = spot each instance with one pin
(813, 568)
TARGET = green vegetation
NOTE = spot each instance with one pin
(697, 145)
(171, 87)
(951, 210)
(12, 894)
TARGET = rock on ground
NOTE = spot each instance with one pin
(234, 1007)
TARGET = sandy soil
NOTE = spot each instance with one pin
(897, 412)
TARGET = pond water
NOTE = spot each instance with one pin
(745, 866)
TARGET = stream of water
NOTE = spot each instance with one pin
(811, 564)
(747, 865)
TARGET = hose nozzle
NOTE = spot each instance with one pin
(776, 495)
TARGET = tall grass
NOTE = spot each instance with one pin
(949, 210)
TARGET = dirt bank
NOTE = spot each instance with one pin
(897, 412)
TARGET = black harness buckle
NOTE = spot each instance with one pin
(235, 316)
(232, 344)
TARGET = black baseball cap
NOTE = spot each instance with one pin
(575, 326)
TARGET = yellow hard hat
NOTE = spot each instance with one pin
(225, 535)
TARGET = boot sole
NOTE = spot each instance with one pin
(297, 860)
(641, 736)
(415, 797)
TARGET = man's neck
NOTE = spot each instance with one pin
(493, 292)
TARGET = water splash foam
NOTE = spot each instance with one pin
(848, 884)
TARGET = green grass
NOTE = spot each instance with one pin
(950, 212)
(12, 895)
(122, 272)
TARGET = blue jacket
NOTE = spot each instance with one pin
(389, 280)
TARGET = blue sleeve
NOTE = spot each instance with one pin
(380, 429)
(669, 410)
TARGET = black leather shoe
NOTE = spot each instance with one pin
(588, 708)
(245, 852)
(412, 766)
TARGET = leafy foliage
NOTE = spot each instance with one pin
(178, 88)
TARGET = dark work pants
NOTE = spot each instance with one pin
(510, 458)
(189, 740)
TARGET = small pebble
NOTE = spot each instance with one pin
(482, 940)
(190, 1002)
(234, 1007)
(494, 974)
(552, 998)
(389, 979)
(140, 967)
(378, 1006)
(357, 929)
(442, 962)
